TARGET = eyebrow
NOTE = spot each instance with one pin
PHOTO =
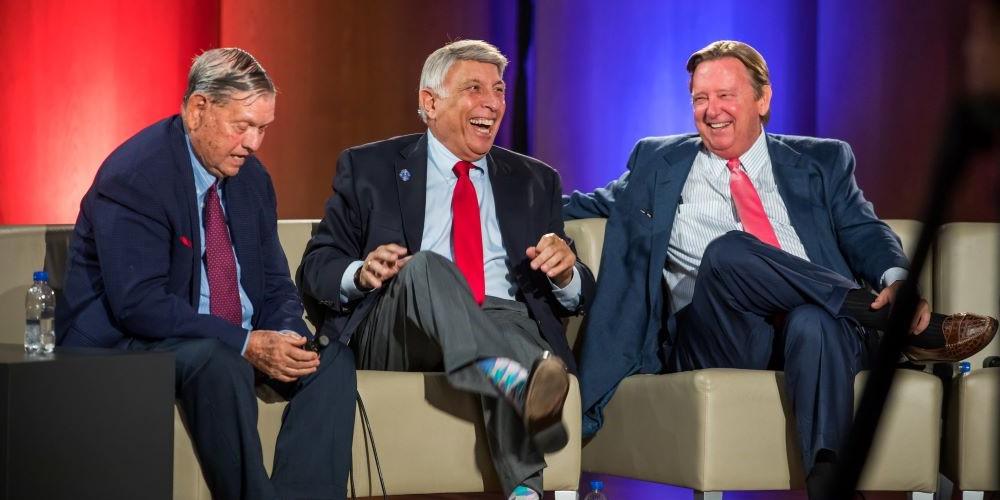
(476, 80)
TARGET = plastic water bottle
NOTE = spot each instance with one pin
(39, 316)
(964, 368)
(595, 491)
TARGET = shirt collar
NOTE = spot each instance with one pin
(753, 161)
(202, 179)
(443, 160)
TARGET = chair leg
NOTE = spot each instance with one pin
(973, 495)
(920, 495)
(707, 495)
(567, 495)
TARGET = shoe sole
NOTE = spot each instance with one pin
(543, 404)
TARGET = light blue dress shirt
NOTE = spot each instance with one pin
(202, 181)
(436, 236)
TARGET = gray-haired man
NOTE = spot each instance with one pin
(442, 252)
(176, 249)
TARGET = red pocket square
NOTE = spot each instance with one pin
(185, 241)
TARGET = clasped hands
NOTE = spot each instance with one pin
(280, 355)
(551, 255)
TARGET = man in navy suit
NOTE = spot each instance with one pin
(759, 241)
(176, 249)
(442, 252)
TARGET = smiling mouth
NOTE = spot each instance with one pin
(719, 126)
(482, 125)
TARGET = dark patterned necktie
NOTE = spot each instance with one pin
(220, 262)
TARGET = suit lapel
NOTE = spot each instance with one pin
(792, 180)
(411, 185)
(244, 231)
(511, 199)
(189, 221)
(669, 182)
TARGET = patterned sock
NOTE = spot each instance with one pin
(508, 376)
(523, 492)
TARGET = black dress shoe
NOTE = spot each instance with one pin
(544, 398)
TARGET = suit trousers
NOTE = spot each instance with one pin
(215, 388)
(426, 320)
(758, 307)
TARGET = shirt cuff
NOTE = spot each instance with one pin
(246, 342)
(348, 291)
(892, 275)
(568, 296)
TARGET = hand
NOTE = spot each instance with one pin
(920, 320)
(381, 265)
(280, 357)
(554, 258)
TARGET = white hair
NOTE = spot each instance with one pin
(220, 73)
(439, 62)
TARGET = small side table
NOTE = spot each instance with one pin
(86, 423)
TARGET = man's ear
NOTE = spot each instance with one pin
(195, 109)
(764, 103)
(427, 102)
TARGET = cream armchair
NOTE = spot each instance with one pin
(725, 430)
(967, 278)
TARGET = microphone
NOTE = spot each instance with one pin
(317, 343)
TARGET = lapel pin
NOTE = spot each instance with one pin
(404, 175)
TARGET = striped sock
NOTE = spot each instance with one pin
(508, 376)
(523, 492)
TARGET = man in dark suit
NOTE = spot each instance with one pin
(759, 240)
(176, 249)
(442, 252)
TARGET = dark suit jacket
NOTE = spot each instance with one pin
(372, 205)
(626, 327)
(134, 265)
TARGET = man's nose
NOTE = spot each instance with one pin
(252, 139)
(713, 107)
(494, 100)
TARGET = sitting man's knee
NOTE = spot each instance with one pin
(197, 354)
(423, 259)
(728, 252)
(428, 263)
(806, 323)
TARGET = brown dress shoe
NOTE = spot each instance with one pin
(545, 395)
(964, 335)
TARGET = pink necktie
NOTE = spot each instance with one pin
(220, 263)
(748, 205)
(467, 233)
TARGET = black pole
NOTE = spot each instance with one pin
(973, 126)
(520, 141)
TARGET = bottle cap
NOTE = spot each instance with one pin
(41, 276)
(597, 485)
(964, 367)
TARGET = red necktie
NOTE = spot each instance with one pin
(466, 231)
(220, 263)
(748, 205)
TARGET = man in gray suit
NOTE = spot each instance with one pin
(442, 252)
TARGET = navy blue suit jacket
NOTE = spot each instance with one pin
(134, 264)
(374, 205)
(627, 326)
